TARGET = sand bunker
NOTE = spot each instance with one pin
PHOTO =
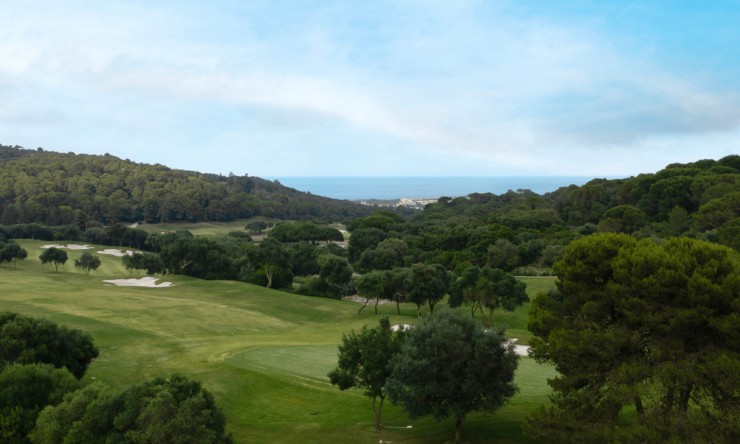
(116, 252)
(148, 281)
(68, 246)
(401, 327)
(521, 350)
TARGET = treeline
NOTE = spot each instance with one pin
(526, 233)
(42, 398)
(67, 189)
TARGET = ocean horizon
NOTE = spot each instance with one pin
(389, 188)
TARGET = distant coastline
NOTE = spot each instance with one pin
(389, 188)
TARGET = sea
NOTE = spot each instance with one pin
(390, 188)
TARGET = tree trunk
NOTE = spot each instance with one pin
(458, 426)
(377, 300)
(490, 317)
(378, 412)
(268, 274)
(684, 401)
(431, 308)
(367, 301)
(398, 306)
(668, 402)
(639, 408)
(418, 310)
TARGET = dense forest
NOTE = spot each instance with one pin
(60, 189)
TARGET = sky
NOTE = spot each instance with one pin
(283, 88)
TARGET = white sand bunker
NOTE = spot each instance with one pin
(68, 246)
(521, 350)
(401, 327)
(116, 252)
(148, 281)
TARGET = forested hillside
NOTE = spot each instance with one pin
(59, 189)
(525, 232)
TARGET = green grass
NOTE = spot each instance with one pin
(264, 354)
(197, 228)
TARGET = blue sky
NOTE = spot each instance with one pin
(374, 88)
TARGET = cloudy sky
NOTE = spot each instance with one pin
(375, 88)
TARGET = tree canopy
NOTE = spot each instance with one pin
(27, 340)
(449, 366)
(12, 252)
(162, 410)
(87, 262)
(54, 255)
(24, 390)
(645, 325)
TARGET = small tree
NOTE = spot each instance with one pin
(427, 283)
(363, 362)
(335, 272)
(487, 287)
(395, 287)
(87, 262)
(449, 366)
(369, 286)
(12, 252)
(54, 255)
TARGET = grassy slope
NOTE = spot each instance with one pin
(264, 354)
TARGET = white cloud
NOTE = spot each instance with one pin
(466, 81)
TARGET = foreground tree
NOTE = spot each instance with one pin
(636, 324)
(87, 262)
(27, 340)
(363, 362)
(24, 391)
(54, 255)
(448, 366)
(162, 410)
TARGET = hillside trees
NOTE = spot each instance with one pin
(305, 231)
(58, 189)
(448, 366)
(198, 257)
(55, 255)
(363, 362)
(646, 325)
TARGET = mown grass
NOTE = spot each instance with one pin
(264, 354)
(197, 228)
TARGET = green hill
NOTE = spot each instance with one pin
(57, 189)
